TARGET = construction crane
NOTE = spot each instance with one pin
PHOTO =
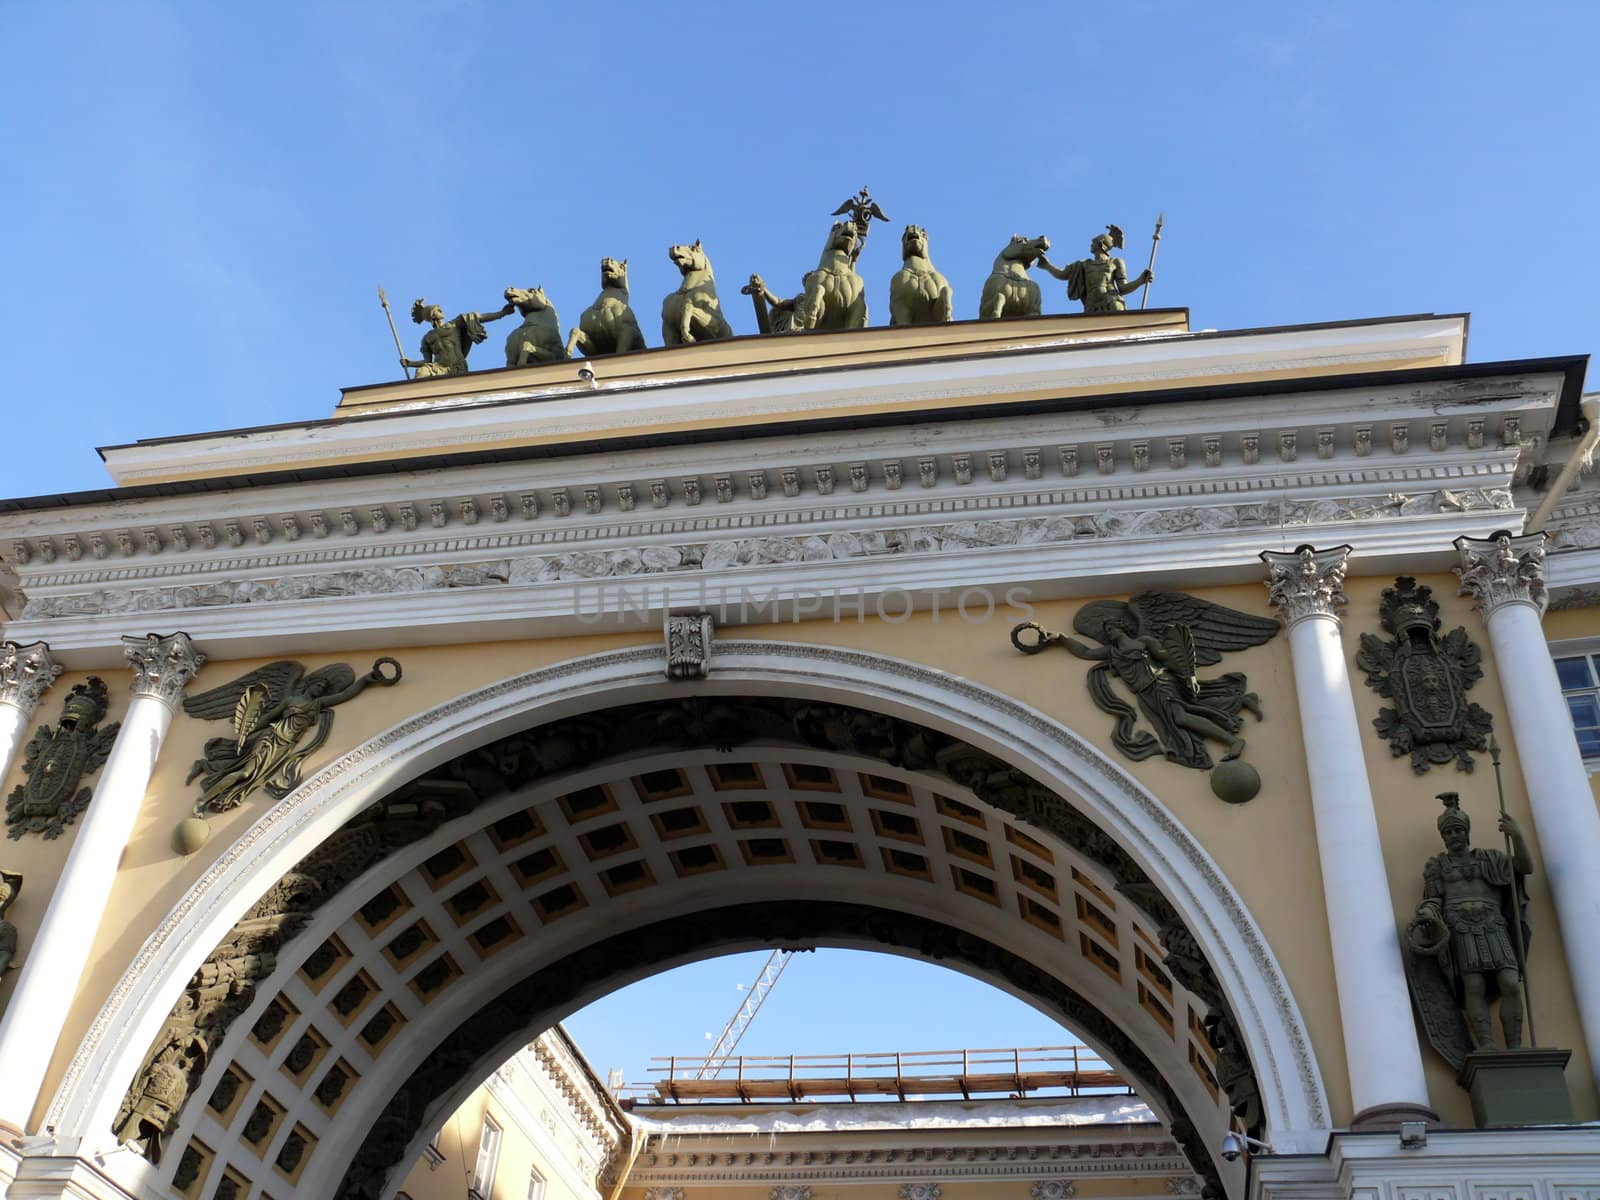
(725, 1045)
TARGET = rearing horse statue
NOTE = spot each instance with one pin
(832, 297)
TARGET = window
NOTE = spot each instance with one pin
(535, 1186)
(1580, 684)
(488, 1158)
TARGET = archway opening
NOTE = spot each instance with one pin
(416, 949)
(805, 1102)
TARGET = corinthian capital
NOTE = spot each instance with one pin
(1502, 569)
(1306, 583)
(25, 672)
(162, 665)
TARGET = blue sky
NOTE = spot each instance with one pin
(202, 199)
(825, 1002)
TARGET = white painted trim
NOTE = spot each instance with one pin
(1269, 1018)
(1471, 1164)
(576, 412)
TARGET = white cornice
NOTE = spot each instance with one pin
(1059, 504)
(576, 412)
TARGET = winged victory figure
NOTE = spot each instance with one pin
(273, 709)
(1155, 643)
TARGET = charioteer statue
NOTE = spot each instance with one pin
(1100, 280)
(445, 346)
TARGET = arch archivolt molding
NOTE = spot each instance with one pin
(1268, 1018)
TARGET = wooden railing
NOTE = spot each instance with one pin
(897, 1074)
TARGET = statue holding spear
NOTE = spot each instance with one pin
(1472, 923)
(383, 299)
(1100, 280)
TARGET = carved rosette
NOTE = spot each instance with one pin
(25, 673)
(1053, 1189)
(162, 666)
(689, 646)
(1306, 582)
(790, 1192)
(920, 1191)
(1500, 570)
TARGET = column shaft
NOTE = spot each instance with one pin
(1506, 576)
(53, 964)
(1564, 813)
(13, 724)
(1380, 1036)
(1382, 1052)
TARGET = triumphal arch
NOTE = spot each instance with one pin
(1111, 661)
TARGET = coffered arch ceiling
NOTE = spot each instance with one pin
(405, 957)
(412, 983)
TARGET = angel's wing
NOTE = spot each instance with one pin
(1093, 618)
(1216, 629)
(222, 702)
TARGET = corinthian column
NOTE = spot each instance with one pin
(32, 1022)
(1505, 575)
(25, 673)
(1383, 1056)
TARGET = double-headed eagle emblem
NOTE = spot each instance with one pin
(1154, 645)
(1427, 675)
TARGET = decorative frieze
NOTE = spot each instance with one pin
(1502, 570)
(439, 511)
(25, 673)
(926, 1191)
(162, 665)
(1306, 582)
(654, 558)
(1053, 1189)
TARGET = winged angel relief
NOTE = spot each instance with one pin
(282, 714)
(1154, 644)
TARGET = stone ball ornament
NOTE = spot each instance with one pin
(1235, 781)
(190, 834)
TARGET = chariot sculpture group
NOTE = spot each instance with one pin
(831, 297)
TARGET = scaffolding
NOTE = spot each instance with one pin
(900, 1075)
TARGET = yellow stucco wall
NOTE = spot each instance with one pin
(519, 1157)
(1267, 847)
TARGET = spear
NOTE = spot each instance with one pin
(1516, 916)
(1155, 244)
(384, 300)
